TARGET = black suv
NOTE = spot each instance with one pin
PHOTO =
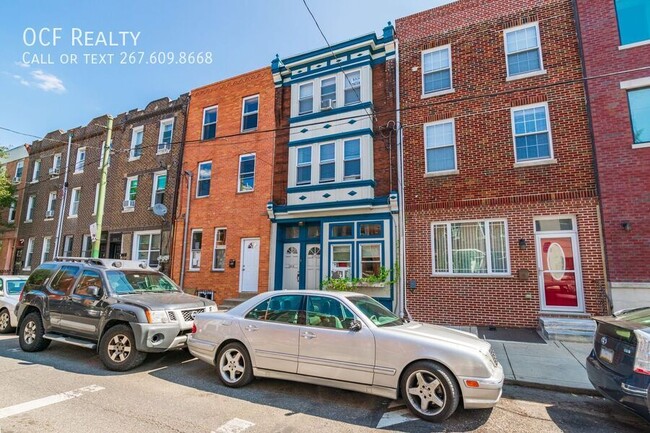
(121, 308)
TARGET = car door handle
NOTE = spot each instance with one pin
(308, 335)
(251, 328)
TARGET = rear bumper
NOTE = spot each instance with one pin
(202, 349)
(617, 388)
(487, 394)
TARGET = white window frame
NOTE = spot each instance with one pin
(96, 204)
(243, 105)
(136, 244)
(20, 165)
(216, 122)
(239, 173)
(300, 86)
(333, 268)
(360, 258)
(347, 81)
(166, 148)
(198, 178)
(56, 162)
(219, 247)
(541, 71)
(154, 186)
(451, 72)
(36, 173)
(343, 160)
(631, 86)
(66, 252)
(190, 265)
(29, 255)
(47, 240)
(336, 91)
(51, 198)
(86, 241)
(76, 192)
(127, 193)
(541, 161)
(31, 203)
(488, 249)
(454, 170)
(326, 162)
(134, 144)
(311, 165)
(11, 216)
(80, 164)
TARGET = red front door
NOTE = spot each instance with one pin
(559, 272)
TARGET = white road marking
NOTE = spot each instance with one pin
(14, 350)
(235, 425)
(46, 401)
(189, 360)
(396, 417)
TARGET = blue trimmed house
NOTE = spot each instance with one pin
(334, 209)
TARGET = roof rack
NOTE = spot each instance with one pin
(107, 263)
(91, 260)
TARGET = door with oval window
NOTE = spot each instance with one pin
(291, 266)
(312, 281)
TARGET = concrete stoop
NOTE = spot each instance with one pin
(580, 330)
(229, 303)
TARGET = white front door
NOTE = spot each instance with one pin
(312, 281)
(249, 265)
(291, 267)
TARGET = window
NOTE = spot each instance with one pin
(56, 165)
(203, 182)
(89, 279)
(633, 20)
(20, 165)
(327, 163)
(36, 172)
(531, 133)
(304, 166)
(12, 211)
(352, 159)
(341, 260)
(96, 205)
(470, 248)
(63, 281)
(147, 247)
(292, 232)
(250, 110)
(67, 246)
(523, 50)
(130, 192)
(282, 308)
(51, 205)
(328, 93)
(137, 136)
(219, 260)
(370, 258)
(342, 230)
(74, 202)
(166, 133)
(195, 254)
(86, 246)
(352, 87)
(368, 230)
(440, 146)
(306, 98)
(30, 208)
(158, 188)
(436, 70)
(639, 101)
(103, 150)
(327, 312)
(45, 252)
(29, 254)
(246, 173)
(209, 123)
(81, 160)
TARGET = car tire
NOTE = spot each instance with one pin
(430, 391)
(117, 349)
(234, 365)
(5, 321)
(30, 333)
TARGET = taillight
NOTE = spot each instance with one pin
(642, 356)
(193, 328)
(20, 298)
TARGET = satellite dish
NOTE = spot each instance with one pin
(160, 209)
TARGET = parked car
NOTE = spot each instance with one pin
(122, 308)
(350, 341)
(619, 364)
(10, 287)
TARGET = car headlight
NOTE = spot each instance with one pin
(157, 316)
(210, 308)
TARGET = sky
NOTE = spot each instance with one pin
(42, 89)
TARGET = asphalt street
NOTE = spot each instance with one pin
(66, 389)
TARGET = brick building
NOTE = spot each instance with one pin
(228, 166)
(142, 171)
(14, 164)
(615, 37)
(333, 203)
(501, 208)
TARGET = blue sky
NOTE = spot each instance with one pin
(241, 35)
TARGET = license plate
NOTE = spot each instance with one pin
(607, 354)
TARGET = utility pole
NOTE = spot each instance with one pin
(64, 195)
(102, 188)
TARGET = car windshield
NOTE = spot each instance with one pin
(14, 286)
(129, 282)
(373, 310)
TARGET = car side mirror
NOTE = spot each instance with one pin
(93, 291)
(355, 326)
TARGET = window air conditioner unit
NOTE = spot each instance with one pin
(16, 179)
(128, 204)
(327, 104)
(54, 171)
(49, 214)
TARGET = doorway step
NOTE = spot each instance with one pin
(578, 328)
(229, 303)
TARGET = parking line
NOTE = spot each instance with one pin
(235, 425)
(46, 401)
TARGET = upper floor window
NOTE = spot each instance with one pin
(75, 198)
(523, 50)
(219, 259)
(203, 181)
(136, 142)
(209, 123)
(250, 109)
(29, 254)
(436, 70)
(165, 138)
(12, 211)
(246, 173)
(440, 146)
(20, 165)
(130, 192)
(51, 205)
(31, 201)
(158, 188)
(81, 160)
(56, 165)
(36, 172)
(532, 133)
(327, 163)
(45, 251)
(306, 98)
(195, 256)
(328, 93)
(352, 93)
(639, 100)
(352, 159)
(304, 166)
(633, 21)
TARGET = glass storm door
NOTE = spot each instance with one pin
(559, 272)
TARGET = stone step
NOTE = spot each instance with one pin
(229, 303)
(564, 329)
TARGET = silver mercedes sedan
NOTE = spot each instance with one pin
(350, 341)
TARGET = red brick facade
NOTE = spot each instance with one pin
(623, 170)
(242, 214)
(9, 244)
(488, 182)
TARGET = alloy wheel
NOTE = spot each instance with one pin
(29, 334)
(425, 392)
(4, 321)
(232, 365)
(119, 348)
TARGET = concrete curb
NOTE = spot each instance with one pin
(552, 387)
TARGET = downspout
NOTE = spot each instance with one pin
(59, 224)
(187, 220)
